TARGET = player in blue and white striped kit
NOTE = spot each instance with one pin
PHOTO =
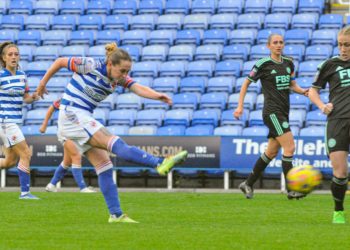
(13, 92)
(91, 83)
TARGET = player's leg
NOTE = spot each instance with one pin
(99, 158)
(259, 167)
(10, 160)
(287, 143)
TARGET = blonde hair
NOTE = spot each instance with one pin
(3, 47)
(344, 31)
(272, 35)
(115, 54)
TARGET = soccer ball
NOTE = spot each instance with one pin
(303, 179)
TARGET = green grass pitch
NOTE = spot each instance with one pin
(171, 221)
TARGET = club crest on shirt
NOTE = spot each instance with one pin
(288, 70)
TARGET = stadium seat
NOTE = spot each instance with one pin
(133, 50)
(129, 101)
(148, 69)
(12, 22)
(162, 37)
(299, 102)
(200, 68)
(316, 118)
(223, 21)
(170, 22)
(188, 37)
(173, 69)
(316, 6)
(74, 50)
(297, 117)
(31, 129)
(215, 36)
(51, 130)
(296, 51)
(166, 84)
(284, 6)
(145, 81)
(97, 52)
(46, 53)
(331, 21)
(3, 7)
(156, 104)
(185, 101)
(107, 36)
(295, 130)
(26, 52)
(19, 7)
(308, 68)
(72, 7)
(46, 7)
(82, 37)
(221, 84)
(297, 36)
(143, 130)
(100, 115)
(118, 129)
(150, 117)
(258, 51)
(98, 7)
(90, 22)
(253, 87)
(154, 53)
(193, 84)
(246, 36)
(228, 131)
(247, 67)
(215, 100)
(171, 130)
(318, 52)
(135, 37)
(113, 22)
(203, 7)
(228, 68)
(312, 131)
(35, 117)
(125, 7)
(64, 22)
(255, 131)
(57, 84)
(305, 82)
(151, 7)
(29, 37)
(249, 100)
(236, 51)
(178, 117)
(230, 6)
(255, 118)
(335, 51)
(108, 103)
(177, 7)
(196, 21)
(260, 101)
(8, 35)
(55, 37)
(205, 117)
(250, 21)
(324, 36)
(257, 6)
(264, 34)
(147, 22)
(208, 52)
(304, 21)
(181, 52)
(38, 68)
(277, 21)
(47, 102)
(38, 22)
(199, 130)
(125, 117)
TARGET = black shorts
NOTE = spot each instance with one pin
(337, 135)
(278, 124)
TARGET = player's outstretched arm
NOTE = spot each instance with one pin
(48, 115)
(147, 92)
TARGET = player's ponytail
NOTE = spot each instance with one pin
(3, 47)
(115, 54)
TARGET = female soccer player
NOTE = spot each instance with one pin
(71, 157)
(91, 83)
(276, 73)
(13, 92)
(336, 72)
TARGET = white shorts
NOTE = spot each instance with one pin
(76, 125)
(11, 134)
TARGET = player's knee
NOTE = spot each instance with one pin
(271, 154)
(26, 154)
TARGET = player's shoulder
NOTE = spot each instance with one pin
(263, 61)
(20, 72)
(329, 62)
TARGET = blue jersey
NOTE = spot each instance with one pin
(89, 84)
(12, 90)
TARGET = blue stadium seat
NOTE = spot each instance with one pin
(228, 131)
(230, 6)
(208, 52)
(196, 21)
(297, 117)
(312, 131)
(143, 130)
(257, 6)
(150, 117)
(125, 117)
(246, 36)
(177, 7)
(35, 117)
(133, 50)
(295, 130)
(20, 7)
(46, 7)
(296, 51)
(55, 37)
(173, 68)
(221, 84)
(324, 36)
(236, 51)
(253, 87)
(12, 22)
(249, 100)
(98, 7)
(156, 104)
(178, 117)
(255, 131)
(97, 52)
(285, 6)
(331, 21)
(223, 21)
(161, 37)
(82, 37)
(299, 102)
(108, 103)
(205, 117)
(316, 118)
(38, 22)
(304, 21)
(125, 7)
(171, 130)
(33, 82)
(147, 22)
(8, 35)
(181, 52)
(193, 84)
(316, 6)
(151, 7)
(255, 118)
(26, 52)
(228, 68)
(51, 130)
(308, 68)
(118, 129)
(46, 53)
(38, 68)
(129, 101)
(116, 22)
(149, 69)
(258, 51)
(203, 6)
(170, 22)
(227, 118)
(214, 100)
(215, 36)
(57, 84)
(188, 37)
(107, 36)
(318, 52)
(250, 21)
(47, 102)
(277, 21)
(29, 37)
(260, 101)
(166, 84)
(72, 7)
(31, 129)
(3, 7)
(154, 53)
(335, 51)
(23, 65)
(74, 50)
(264, 34)
(305, 82)
(64, 22)
(135, 37)
(90, 22)
(297, 36)
(200, 68)
(100, 116)
(199, 130)
(185, 101)
(247, 67)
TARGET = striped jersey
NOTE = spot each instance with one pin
(12, 90)
(89, 84)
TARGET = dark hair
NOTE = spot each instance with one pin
(3, 47)
(115, 54)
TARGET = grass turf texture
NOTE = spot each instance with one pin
(171, 221)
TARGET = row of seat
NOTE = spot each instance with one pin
(160, 6)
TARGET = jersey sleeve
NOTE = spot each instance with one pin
(127, 82)
(254, 74)
(321, 77)
(82, 65)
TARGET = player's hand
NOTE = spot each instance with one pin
(42, 129)
(164, 98)
(41, 90)
(238, 112)
(306, 92)
(35, 96)
(327, 109)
